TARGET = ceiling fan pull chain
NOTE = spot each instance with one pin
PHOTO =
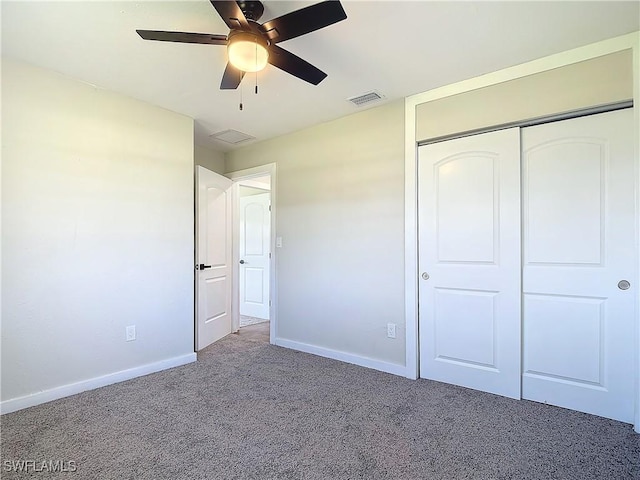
(241, 97)
(256, 66)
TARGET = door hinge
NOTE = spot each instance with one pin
(269, 207)
(269, 302)
(269, 254)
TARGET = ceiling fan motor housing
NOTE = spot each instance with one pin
(252, 10)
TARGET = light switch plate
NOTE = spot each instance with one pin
(391, 330)
(131, 333)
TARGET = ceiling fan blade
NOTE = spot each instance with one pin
(183, 37)
(231, 78)
(290, 63)
(305, 20)
(231, 14)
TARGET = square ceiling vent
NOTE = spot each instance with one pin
(231, 136)
(366, 98)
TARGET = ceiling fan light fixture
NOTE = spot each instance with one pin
(247, 51)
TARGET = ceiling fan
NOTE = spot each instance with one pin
(250, 45)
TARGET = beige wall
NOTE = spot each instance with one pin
(598, 81)
(97, 234)
(208, 158)
(341, 218)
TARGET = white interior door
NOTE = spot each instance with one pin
(469, 257)
(579, 220)
(255, 235)
(213, 257)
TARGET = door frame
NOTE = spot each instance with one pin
(247, 175)
(629, 41)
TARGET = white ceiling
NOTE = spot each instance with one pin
(397, 48)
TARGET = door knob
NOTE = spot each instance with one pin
(202, 266)
(241, 262)
(624, 285)
(425, 276)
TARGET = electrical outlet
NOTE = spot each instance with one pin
(131, 333)
(391, 330)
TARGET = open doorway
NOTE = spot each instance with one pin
(253, 252)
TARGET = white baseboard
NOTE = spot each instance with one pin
(387, 367)
(45, 396)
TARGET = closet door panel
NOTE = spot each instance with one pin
(578, 231)
(469, 254)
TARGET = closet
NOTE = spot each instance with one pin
(526, 253)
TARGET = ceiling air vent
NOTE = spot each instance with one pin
(231, 136)
(365, 98)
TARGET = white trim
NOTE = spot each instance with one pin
(636, 116)
(411, 241)
(613, 45)
(379, 365)
(235, 257)
(247, 174)
(15, 404)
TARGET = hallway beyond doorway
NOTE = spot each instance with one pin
(246, 320)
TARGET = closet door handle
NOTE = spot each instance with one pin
(624, 284)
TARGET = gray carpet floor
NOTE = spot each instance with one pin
(250, 410)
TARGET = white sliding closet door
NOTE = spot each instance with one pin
(469, 257)
(579, 249)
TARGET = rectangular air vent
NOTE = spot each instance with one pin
(231, 136)
(365, 98)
